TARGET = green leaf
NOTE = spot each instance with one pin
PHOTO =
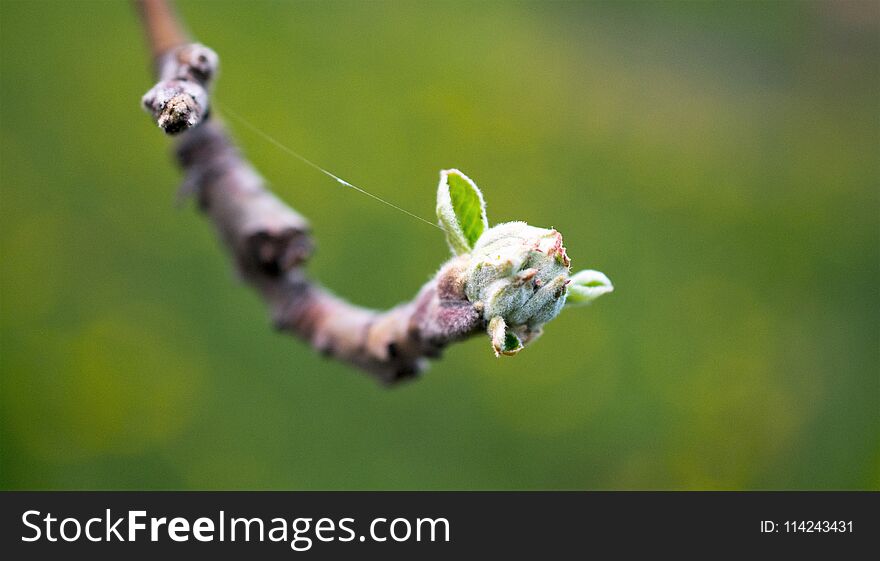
(586, 286)
(460, 210)
(504, 341)
(511, 343)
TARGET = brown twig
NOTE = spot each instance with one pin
(163, 28)
(270, 242)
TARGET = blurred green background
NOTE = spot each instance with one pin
(718, 161)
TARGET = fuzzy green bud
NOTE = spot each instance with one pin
(518, 276)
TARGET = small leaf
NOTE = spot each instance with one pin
(504, 341)
(461, 210)
(512, 343)
(586, 286)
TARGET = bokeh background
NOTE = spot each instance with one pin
(719, 161)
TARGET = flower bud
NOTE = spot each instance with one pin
(517, 275)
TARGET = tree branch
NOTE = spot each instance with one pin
(270, 242)
(163, 28)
